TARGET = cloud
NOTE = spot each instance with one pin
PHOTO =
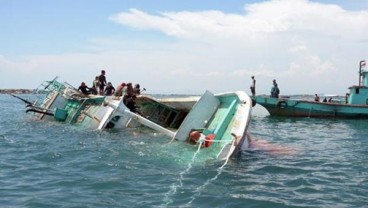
(289, 38)
(302, 44)
(259, 19)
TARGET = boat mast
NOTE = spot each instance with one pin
(361, 64)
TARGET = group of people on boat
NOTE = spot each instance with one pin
(275, 91)
(129, 94)
(98, 86)
(101, 87)
(316, 99)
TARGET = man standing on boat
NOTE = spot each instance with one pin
(316, 98)
(102, 82)
(275, 91)
(253, 87)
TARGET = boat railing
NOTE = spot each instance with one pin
(52, 85)
(73, 94)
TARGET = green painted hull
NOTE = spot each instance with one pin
(304, 108)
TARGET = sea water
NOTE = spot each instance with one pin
(294, 162)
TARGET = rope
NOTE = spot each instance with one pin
(219, 171)
(203, 139)
(228, 155)
(200, 142)
(174, 187)
(222, 140)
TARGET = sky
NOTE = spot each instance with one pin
(186, 47)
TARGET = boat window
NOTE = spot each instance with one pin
(356, 90)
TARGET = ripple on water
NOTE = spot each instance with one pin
(47, 164)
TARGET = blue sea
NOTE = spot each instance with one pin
(294, 162)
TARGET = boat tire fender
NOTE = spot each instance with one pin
(282, 104)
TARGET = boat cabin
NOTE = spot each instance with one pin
(359, 93)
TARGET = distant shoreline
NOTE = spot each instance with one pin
(16, 91)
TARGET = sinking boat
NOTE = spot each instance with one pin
(216, 124)
(355, 104)
(59, 101)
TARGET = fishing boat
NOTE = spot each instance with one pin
(216, 124)
(355, 104)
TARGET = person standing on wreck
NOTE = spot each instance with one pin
(94, 88)
(102, 82)
(253, 87)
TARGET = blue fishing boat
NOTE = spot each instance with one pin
(355, 104)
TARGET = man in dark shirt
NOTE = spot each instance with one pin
(102, 82)
(84, 89)
(253, 87)
(109, 89)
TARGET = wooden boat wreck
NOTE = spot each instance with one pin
(215, 123)
(354, 106)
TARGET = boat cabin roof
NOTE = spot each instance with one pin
(357, 86)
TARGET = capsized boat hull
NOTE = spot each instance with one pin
(225, 116)
(305, 108)
(221, 120)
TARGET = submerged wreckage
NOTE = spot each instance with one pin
(215, 123)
